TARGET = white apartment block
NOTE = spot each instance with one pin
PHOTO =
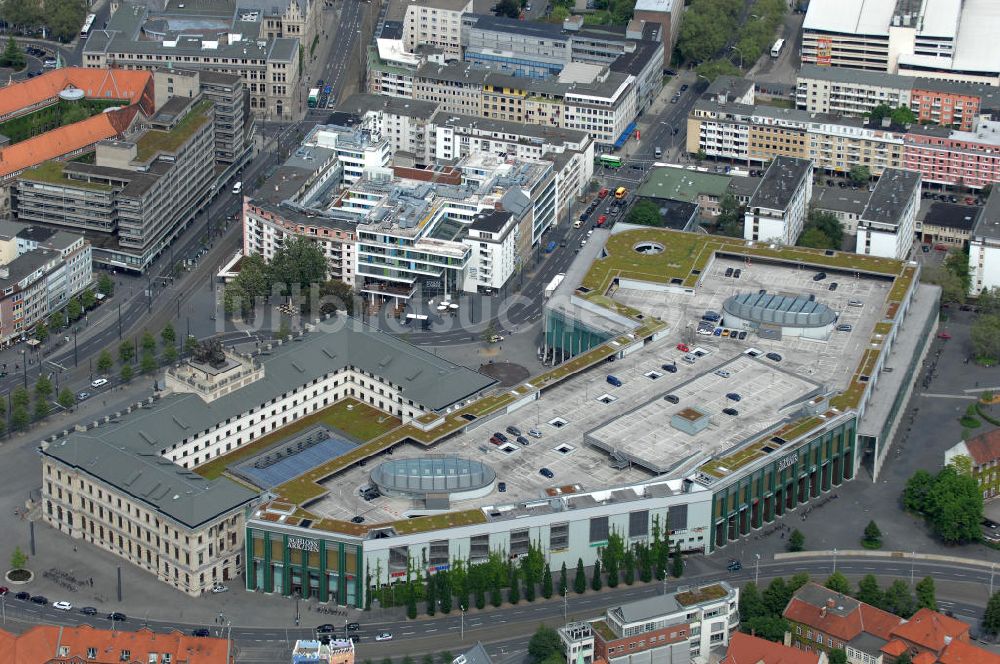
(984, 248)
(778, 208)
(435, 23)
(849, 92)
(887, 226)
(493, 240)
(361, 151)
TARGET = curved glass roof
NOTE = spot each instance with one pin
(770, 309)
(432, 475)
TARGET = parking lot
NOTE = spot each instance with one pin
(766, 395)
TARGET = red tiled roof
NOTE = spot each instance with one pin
(924, 658)
(960, 652)
(41, 644)
(747, 649)
(132, 85)
(985, 447)
(894, 648)
(865, 618)
(65, 140)
(929, 629)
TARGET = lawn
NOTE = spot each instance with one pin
(52, 172)
(361, 422)
(169, 141)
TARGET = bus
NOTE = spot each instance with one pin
(776, 49)
(313, 97)
(87, 25)
(610, 161)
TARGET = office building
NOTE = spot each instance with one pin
(778, 208)
(436, 24)
(984, 248)
(934, 39)
(252, 43)
(668, 14)
(45, 644)
(887, 225)
(683, 625)
(139, 193)
(40, 271)
(234, 124)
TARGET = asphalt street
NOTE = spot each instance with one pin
(963, 589)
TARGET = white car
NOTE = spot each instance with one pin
(534, 433)
(98, 382)
(62, 606)
(219, 588)
(383, 636)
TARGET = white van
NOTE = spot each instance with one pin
(238, 187)
(658, 152)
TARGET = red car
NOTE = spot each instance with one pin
(944, 335)
(600, 220)
(683, 348)
(603, 193)
(4, 590)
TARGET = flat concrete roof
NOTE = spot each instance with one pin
(893, 189)
(682, 184)
(769, 394)
(779, 183)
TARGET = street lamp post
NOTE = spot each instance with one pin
(993, 567)
(565, 602)
(756, 568)
(834, 561)
(913, 560)
(463, 623)
(737, 49)
(24, 367)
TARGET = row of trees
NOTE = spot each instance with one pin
(444, 657)
(146, 361)
(710, 25)
(985, 331)
(63, 18)
(499, 578)
(950, 502)
(297, 271)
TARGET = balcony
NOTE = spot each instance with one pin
(390, 290)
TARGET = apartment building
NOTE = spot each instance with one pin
(360, 150)
(435, 23)
(44, 644)
(138, 194)
(933, 39)
(493, 238)
(234, 124)
(949, 224)
(40, 271)
(953, 157)
(822, 620)
(887, 226)
(984, 247)
(983, 451)
(126, 485)
(238, 45)
(680, 626)
(778, 208)
(403, 122)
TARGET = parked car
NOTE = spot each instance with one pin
(83, 396)
(669, 368)
(513, 430)
(855, 303)
(23, 596)
(819, 276)
(545, 472)
(737, 272)
(743, 335)
(774, 357)
(672, 398)
(734, 566)
(353, 626)
(534, 433)
(832, 286)
(62, 606)
(98, 382)
(499, 436)
(201, 631)
(729, 271)
(844, 327)
(383, 636)
(731, 411)
(4, 590)
(88, 611)
(684, 348)
(326, 628)
(615, 381)
(219, 588)
(523, 441)
(117, 616)
(357, 519)
(502, 487)
(733, 396)
(723, 373)
(684, 87)
(40, 599)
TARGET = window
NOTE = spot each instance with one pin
(599, 529)
(91, 653)
(638, 524)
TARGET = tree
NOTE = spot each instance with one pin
(20, 397)
(43, 388)
(991, 618)
(105, 285)
(629, 567)
(529, 588)
(822, 230)
(41, 331)
(19, 418)
(645, 213)
(126, 351)
(168, 336)
(17, 559)
(926, 598)
(985, 336)
(299, 263)
(953, 506)
(595, 578)
(904, 658)
(869, 591)
(837, 656)
(57, 320)
(431, 596)
(88, 299)
(815, 239)
(496, 599)
(509, 8)
(952, 289)
(751, 603)
(776, 596)
(41, 409)
(190, 343)
(66, 398)
(872, 538)
(148, 342)
(74, 309)
(127, 372)
(580, 580)
(12, 56)
(860, 174)
(798, 580)
(170, 354)
(563, 583)
(918, 488)
(443, 580)
(253, 282)
(796, 541)
(411, 604)
(957, 262)
(838, 583)
(104, 361)
(514, 592)
(899, 599)
(336, 295)
(770, 627)
(677, 562)
(547, 582)
(446, 657)
(544, 643)
(147, 364)
(730, 219)
(713, 69)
